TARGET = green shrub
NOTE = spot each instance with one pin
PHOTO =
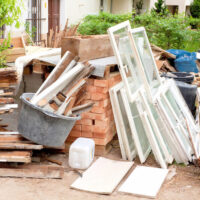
(169, 31)
(195, 9)
(98, 24)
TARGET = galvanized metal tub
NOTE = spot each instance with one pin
(43, 127)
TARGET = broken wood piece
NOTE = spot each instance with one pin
(55, 74)
(69, 106)
(62, 108)
(33, 171)
(61, 96)
(53, 160)
(20, 146)
(50, 38)
(71, 65)
(82, 108)
(7, 107)
(54, 105)
(164, 53)
(167, 65)
(42, 102)
(58, 85)
(15, 156)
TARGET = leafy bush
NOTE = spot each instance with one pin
(98, 24)
(160, 8)
(170, 32)
(10, 13)
(4, 46)
(195, 9)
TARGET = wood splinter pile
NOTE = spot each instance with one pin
(8, 82)
(61, 92)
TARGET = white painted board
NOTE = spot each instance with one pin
(103, 176)
(144, 181)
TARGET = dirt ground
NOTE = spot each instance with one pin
(185, 185)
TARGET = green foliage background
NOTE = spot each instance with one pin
(10, 13)
(167, 31)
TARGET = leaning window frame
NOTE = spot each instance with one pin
(178, 129)
(142, 155)
(122, 67)
(142, 30)
(125, 148)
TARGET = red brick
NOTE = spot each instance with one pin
(86, 128)
(100, 135)
(71, 139)
(86, 121)
(87, 95)
(101, 83)
(97, 109)
(90, 81)
(87, 134)
(99, 96)
(94, 116)
(77, 127)
(91, 89)
(100, 141)
(101, 123)
(75, 133)
(78, 122)
(100, 129)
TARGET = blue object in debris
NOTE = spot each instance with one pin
(185, 61)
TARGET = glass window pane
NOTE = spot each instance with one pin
(146, 57)
(128, 59)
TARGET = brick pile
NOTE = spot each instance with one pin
(98, 123)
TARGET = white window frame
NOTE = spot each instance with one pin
(121, 128)
(122, 67)
(142, 155)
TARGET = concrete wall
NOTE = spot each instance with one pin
(76, 10)
(119, 6)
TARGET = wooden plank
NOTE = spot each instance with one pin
(20, 146)
(57, 71)
(6, 100)
(33, 171)
(144, 181)
(15, 156)
(11, 138)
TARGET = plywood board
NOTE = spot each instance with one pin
(103, 176)
(144, 181)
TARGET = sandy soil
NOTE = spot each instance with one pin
(184, 185)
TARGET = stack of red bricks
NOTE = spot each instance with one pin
(98, 123)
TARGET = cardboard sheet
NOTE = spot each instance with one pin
(144, 181)
(103, 176)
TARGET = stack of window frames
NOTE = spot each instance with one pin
(154, 107)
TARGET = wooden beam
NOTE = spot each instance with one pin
(20, 146)
(15, 156)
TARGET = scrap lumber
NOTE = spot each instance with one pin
(162, 52)
(32, 171)
(20, 146)
(15, 156)
(58, 70)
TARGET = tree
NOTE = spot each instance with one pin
(195, 9)
(160, 8)
(10, 13)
